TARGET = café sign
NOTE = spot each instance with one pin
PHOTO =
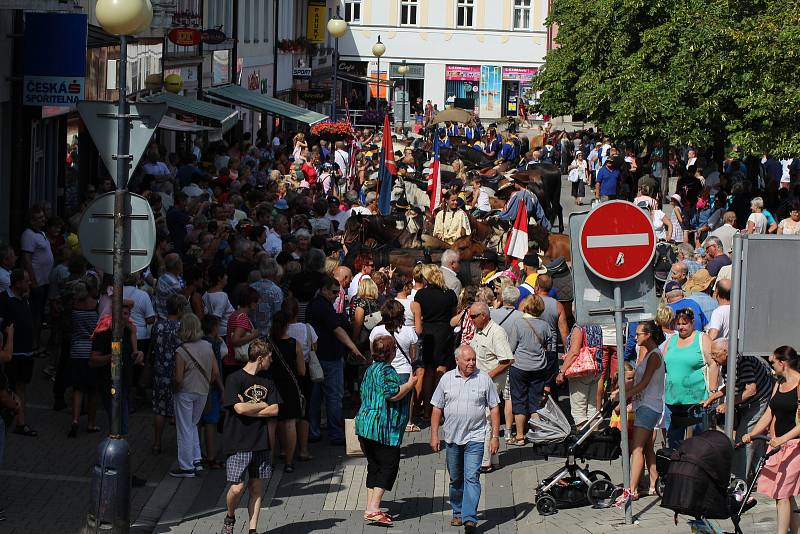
(185, 36)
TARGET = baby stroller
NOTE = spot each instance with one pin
(698, 481)
(573, 485)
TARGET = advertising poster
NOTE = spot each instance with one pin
(491, 87)
(55, 59)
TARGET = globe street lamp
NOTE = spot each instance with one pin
(378, 49)
(403, 70)
(337, 27)
(111, 485)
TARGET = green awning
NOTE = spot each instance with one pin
(219, 116)
(266, 104)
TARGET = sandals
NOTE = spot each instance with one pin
(304, 457)
(288, 468)
(25, 430)
(378, 518)
(411, 427)
(73, 430)
(517, 442)
(92, 429)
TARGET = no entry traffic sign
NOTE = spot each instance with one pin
(617, 241)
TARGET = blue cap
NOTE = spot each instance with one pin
(281, 204)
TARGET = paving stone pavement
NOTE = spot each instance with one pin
(45, 482)
(327, 495)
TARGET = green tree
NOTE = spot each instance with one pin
(706, 72)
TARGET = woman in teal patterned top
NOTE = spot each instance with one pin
(380, 424)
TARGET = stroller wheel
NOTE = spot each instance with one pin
(660, 485)
(601, 493)
(598, 475)
(546, 505)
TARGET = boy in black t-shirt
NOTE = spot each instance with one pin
(250, 398)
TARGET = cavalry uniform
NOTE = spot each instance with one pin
(532, 205)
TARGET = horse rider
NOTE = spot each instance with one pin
(452, 129)
(532, 205)
(451, 223)
(444, 138)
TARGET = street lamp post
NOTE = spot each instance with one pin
(378, 49)
(403, 70)
(111, 481)
(336, 28)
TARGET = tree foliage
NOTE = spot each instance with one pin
(706, 72)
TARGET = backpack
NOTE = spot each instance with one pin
(664, 257)
(697, 480)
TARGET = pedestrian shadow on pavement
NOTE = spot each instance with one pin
(419, 448)
(294, 489)
(319, 525)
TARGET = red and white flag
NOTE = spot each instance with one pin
(435, 181)
(517, 244)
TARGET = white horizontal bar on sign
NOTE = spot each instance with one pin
(617, 240)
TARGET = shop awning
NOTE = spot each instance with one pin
(265, 104)
(175, 125)
(219, 116)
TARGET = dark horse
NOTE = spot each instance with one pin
(546, 183)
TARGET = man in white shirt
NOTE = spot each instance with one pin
(334, 215)
(719, 325)
(8, 258)
(494, 357)
(726, 232)
(341, 157)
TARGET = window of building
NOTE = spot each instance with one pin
(465, 13)
(256, 20)
(408, 12)
(247, 20)
(352, 10)
(522, 14)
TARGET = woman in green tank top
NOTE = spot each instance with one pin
(687, 363)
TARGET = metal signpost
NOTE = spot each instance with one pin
(614, 283)
(762, 315)
(112, 475)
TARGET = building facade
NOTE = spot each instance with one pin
(483, 51)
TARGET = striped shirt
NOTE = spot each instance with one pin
(83, 325)
(752, 370)
(379, 419)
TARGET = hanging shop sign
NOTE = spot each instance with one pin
(317, 21)
(301, 72)
(354, 68)
(519, 74)
(314, 96)
(55, 59)
(185, 36)
(213, 36)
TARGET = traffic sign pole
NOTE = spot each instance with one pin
(623, 403)
(617, 245)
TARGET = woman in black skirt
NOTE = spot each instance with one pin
(288, 366)
(433, 307)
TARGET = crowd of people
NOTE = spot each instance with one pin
(262, 308)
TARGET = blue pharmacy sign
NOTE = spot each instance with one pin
(55, 59)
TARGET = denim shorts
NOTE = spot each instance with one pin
(646, 418)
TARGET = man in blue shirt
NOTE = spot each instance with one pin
(532, 205)
(677, 301)
(607, 180)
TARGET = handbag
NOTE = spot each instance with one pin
(207, 407)
(315, 372)
(352, 445)
(585, 363)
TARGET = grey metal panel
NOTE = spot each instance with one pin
(594, 297)
(770, 293)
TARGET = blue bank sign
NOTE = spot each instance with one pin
(55, 59)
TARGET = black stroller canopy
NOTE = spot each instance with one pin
(712, 451)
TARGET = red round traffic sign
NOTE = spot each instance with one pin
(617, 241)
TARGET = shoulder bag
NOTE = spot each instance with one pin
(202, 370)
(585, 363)
(315, 372)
